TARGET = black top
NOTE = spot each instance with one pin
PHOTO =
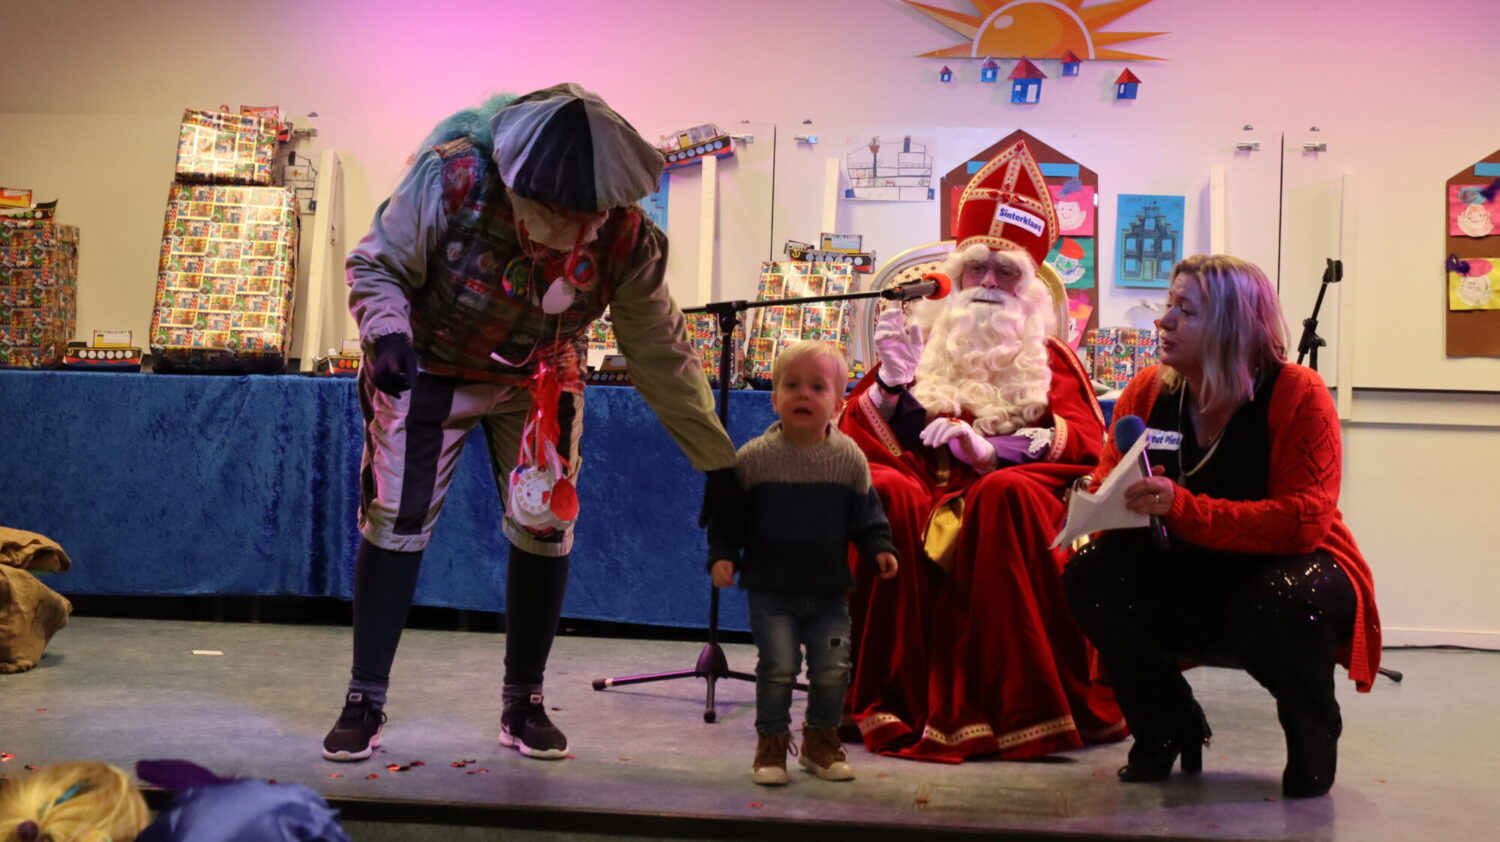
(1238, 468)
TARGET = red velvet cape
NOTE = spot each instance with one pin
(985, 658)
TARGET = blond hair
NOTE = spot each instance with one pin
(808, 348)
(74, 802)
(1244, 331)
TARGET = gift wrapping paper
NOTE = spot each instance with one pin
(1115, 354)
(224, 286)
(38, 291)
(703, 334)
(219, 147)
(779, 326)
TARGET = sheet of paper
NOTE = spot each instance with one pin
(1102, 510)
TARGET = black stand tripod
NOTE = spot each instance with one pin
(1310, 342)
(712, 665)
(1307, 347)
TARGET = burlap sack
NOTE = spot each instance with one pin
(30, 613)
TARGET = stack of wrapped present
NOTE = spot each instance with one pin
(224, 288)
(38, 284)
(1112, 355)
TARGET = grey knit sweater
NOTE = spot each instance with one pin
(803, 507)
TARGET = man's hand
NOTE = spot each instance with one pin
(899, 347)
(886, 563)
(967, 444)
(723, 573)
(393, 369)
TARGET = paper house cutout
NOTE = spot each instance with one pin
(1126, 85)
(946, 74)
(1026, 83)
(989, 71)
(1070, 63)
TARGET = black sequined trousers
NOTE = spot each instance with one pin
(1280, 618)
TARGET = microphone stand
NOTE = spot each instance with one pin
(712, 665)
(1310, 342)
(1308, 347)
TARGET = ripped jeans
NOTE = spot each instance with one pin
(782, 626)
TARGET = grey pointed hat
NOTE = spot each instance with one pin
(564, 145)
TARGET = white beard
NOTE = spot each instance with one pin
(986, 354)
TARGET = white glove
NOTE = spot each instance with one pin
(967, 444)
(898, 346)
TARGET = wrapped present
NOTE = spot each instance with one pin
(1117, 353)
(38, 290)
(224, 148)
(703, 334)
(776, 327)
(224, 284)
(600, 335)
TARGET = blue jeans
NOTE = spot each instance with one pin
(782, 625)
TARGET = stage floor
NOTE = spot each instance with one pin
(1418, 759)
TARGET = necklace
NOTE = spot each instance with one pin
(1212, 445)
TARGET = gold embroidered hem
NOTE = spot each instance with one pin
(1060, 725)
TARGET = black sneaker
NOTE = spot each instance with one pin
(525, 727)
(357, 733)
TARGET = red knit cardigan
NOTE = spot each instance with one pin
(1300, 513)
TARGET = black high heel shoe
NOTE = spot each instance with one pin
(1151, 761)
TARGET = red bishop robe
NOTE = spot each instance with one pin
(985, 658)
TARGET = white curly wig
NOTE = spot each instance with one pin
(986, 350)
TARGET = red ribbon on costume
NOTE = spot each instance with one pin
(542, 497)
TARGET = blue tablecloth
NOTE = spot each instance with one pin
(184, 485)
(160, 484)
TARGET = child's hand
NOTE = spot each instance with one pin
(887, 564)
(723, 573)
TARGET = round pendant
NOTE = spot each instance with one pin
(516, 277)
(559, 297)
(532, 493)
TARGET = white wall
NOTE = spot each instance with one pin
(90, 92)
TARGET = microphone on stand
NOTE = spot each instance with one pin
(933, 285)
(1128, 429)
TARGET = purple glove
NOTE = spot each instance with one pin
(393, 367)
(1029, 444)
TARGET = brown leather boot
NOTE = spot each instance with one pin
(770, 759)
(823, 754)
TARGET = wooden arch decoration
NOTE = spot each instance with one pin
(1051, 161)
